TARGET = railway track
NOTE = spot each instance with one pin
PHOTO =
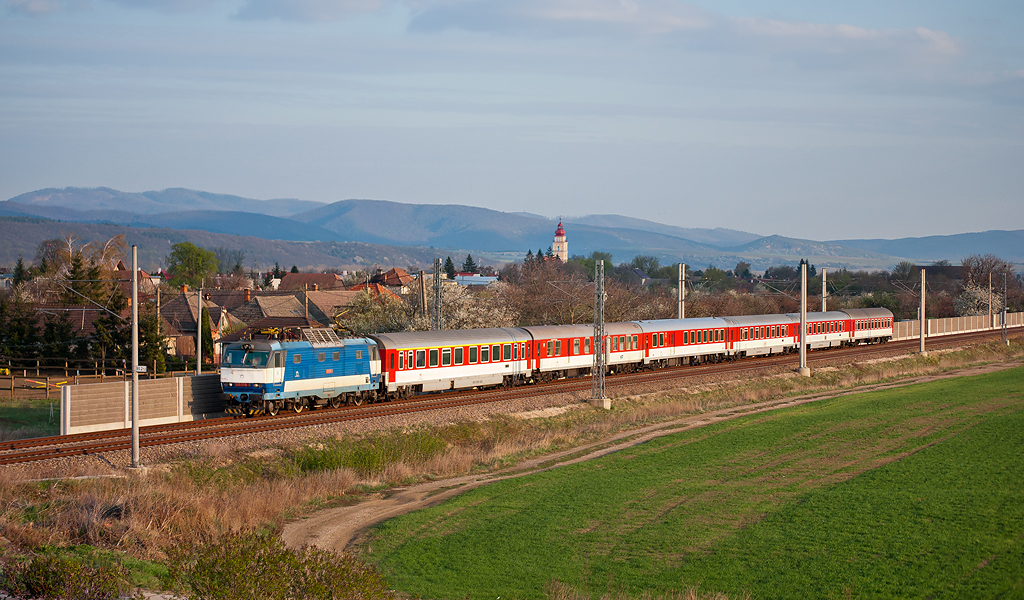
(97, 443)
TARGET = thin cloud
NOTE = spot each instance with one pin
(37, 8)
(310, 10)
(681, 23)
(166, 6)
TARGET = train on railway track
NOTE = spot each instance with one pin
(319, 368)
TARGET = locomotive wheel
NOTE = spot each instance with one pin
(272, 408)
(334, 402)
(357, 400)
(297, 406)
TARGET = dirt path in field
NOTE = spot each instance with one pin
(338, 528)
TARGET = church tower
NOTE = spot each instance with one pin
(560, 247)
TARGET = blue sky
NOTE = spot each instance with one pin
(818, 120)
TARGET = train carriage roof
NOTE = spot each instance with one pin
(557, 332)
(681, 324)
(758, 320)
(460, 337)
(832, 315)
(868, 313)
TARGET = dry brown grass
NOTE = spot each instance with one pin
(215, 489)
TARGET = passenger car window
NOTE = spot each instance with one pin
(458, 356)
(485, 354)
(446, 357)
(421, 359)
(473, 353)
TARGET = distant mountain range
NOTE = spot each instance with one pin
(360, 233)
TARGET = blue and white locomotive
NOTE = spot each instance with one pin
(265, 376)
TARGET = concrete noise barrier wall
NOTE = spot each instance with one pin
(905, 330)
(107, 406)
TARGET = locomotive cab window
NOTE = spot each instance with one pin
(337, 355)
(320, 357)
(279, 359)
(297, 359)
(359, 355)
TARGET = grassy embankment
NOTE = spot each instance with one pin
(22, 419)
(219, 489)
(913, 492)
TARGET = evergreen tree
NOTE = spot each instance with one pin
(151, 343)
(449, 268)
(21, 273)
(82, 283)
(113, 336)
(207, 336)
(59, 339)
(469, 265)
(18, 331)
(295, 269)
(529, 257)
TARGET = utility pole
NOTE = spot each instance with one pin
(923, 319)
(682, 291)
(824, 291)
(199, 336)
(436, 323)
(804, 371)
(991, 323)
(1006, 340)
(598, 397)
(423, 293)
(135, 464)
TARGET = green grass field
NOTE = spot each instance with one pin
(20, 419)
(911, 493)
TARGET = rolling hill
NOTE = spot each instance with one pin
(439, 230)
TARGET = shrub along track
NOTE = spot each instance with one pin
(97, 443)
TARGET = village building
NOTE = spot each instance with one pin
(560, 246)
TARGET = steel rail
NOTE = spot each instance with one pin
(112, 440)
